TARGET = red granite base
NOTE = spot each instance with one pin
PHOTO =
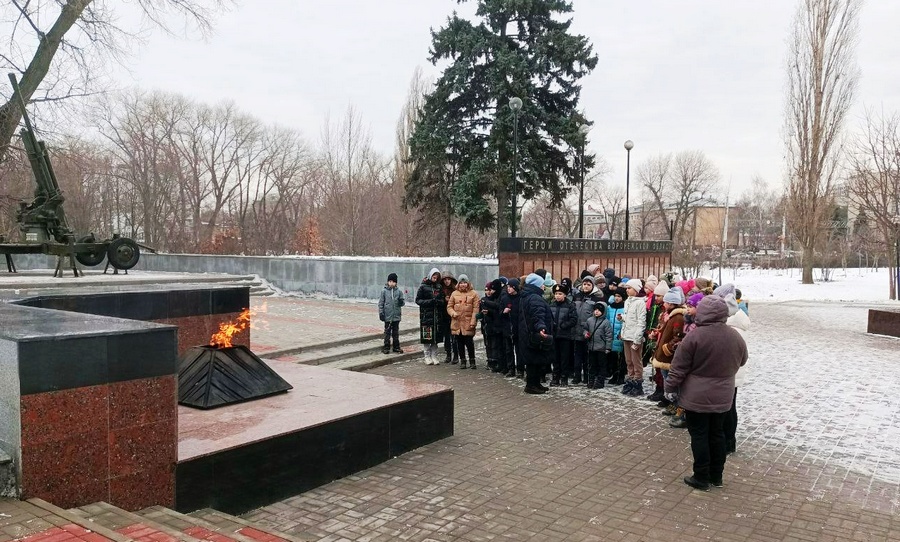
(197, 330)
(105, 442)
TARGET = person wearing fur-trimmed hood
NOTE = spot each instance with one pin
(432, 311)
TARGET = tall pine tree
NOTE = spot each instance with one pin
(462, 145)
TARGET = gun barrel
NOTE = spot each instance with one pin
(17, 96)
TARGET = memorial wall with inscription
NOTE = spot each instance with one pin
(568, 257)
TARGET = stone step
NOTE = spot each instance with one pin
(247, 529)
(134, 526)
(413, 352)
(36, 520)
(327, 345)
(344, 351)
(194, 526)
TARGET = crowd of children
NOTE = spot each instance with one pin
(605, 329)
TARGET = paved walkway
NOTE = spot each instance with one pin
(816, 453)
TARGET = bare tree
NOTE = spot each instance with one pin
(654, 175)
(673, 188)
(874, 184)
(56, 46)
(822, 81)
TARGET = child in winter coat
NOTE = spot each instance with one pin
(598, 334)
(462, 308)
(585, 299)
(634, 324)
(565, 323)
(491, 325)
(448, 285)
(389, 307)
(615, 362)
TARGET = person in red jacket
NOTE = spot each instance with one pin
(702, 375)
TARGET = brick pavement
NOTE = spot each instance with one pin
(592, 465)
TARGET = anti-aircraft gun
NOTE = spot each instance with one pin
(43, 223)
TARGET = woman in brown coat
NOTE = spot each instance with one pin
(462, 308)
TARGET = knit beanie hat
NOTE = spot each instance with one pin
(495, 285)
(702, 283)
(567, 282)
(392, 277)
(674, 296)
(463, 278)
(549, 282)
(514, 282)
(724, 290)
(695, 299)
(590, 279)
(592, 269)
(636, 284)
(542, 273)
(661, 289)
(586, 273)
(652, 279)
(534, 280)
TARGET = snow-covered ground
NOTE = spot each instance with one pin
(866, 285)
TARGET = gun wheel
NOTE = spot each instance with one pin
(123, 253)
(90, 259)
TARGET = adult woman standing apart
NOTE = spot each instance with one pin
(634, 323)
(702, 374)
(535, 333)
(431, 302)
(462, 308)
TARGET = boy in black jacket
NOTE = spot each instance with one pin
(491, 325)
(565, 322)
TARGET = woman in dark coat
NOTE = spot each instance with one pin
(432, 312)
(535, 328)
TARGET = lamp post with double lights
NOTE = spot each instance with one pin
(628, 146)
(515, 103)
(583, 130)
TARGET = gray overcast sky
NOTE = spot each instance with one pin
(691, 74)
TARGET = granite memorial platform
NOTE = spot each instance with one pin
(333, 423)
(88, 405)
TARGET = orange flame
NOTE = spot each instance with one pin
(227, 330)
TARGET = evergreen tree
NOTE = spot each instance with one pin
(462, 145)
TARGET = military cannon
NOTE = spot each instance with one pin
(42, 221)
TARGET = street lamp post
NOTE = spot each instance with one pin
(583, 132)
(628, 146)
(515, 103)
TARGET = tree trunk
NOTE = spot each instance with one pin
(37, 69)
(449, 227)
(503, 214)
(808, 260)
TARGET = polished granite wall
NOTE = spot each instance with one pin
(88, 388)
(197, 311)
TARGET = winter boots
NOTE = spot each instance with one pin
(679, 421)
(385, 349)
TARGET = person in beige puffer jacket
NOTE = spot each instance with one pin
(462, 308)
